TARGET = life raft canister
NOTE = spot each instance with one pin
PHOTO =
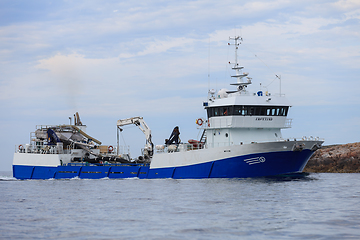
(199, 121)
(110, 148)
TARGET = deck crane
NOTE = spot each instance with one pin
(139, 122)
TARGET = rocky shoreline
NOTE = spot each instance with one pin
(335, 159)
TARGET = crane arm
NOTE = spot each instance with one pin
(141, 124)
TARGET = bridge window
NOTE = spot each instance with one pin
(237, 110)
(224, 111)
(244, 110)
(262, 111)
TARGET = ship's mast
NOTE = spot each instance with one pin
(241, 84)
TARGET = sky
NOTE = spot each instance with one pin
(111, 60)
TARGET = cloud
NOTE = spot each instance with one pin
(347, 5)
(93, 85)
(155, 46)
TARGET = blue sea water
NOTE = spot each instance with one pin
(314, 206)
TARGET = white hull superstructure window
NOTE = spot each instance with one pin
(247, 111)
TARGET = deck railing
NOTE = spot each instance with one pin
(189, 147)
(41, 149)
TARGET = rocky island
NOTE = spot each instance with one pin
(335, 159)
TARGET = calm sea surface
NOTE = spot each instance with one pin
(316, 206)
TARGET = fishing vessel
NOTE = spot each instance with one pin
(241, 137)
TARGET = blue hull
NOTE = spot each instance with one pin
(274, 163)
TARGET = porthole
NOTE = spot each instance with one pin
(226, 134)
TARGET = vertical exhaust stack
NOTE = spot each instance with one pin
(78, 123)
